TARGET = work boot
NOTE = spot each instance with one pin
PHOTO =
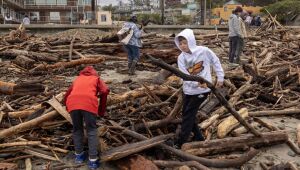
(132, 68)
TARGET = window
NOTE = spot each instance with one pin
(54, 16)
(103, 18)
(61, 2)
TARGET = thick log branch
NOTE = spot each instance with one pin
(217, 93)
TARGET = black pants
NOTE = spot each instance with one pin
(191, 104)
(233, 48)
(78, 116)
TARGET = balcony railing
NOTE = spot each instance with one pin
(16, 3)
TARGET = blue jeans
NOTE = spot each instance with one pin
(133, 52)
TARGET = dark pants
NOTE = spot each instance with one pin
(233, 47)
(133, 53)
(239, 49)
(191, 104)
(78, 116)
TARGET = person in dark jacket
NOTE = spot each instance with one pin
(81, 101)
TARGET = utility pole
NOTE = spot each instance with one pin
(162, 8)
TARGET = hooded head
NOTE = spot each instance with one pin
(88, 71)
(187, 34)
(133, 19)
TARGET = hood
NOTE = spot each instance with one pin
(189, 35)
(88, 71)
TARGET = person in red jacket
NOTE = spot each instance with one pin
(81, 101)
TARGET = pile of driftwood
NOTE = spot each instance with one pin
(35, 129)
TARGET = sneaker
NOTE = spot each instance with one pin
(80, 158)
(93, 165)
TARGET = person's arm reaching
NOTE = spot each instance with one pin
(215, 62)
(103, 93)
(68, 92)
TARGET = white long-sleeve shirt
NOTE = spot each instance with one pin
(198, 54)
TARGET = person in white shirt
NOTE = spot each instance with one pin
(8, 19)
(26, 20)
(195, 60)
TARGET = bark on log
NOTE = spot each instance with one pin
(24, 61)
(128, 149)
(24, 143)
(241, 130)
(230, 123)
(39, 155)
(265, 60)
(298, 135)
(174, 164)
(73, 63)
(21, 89)
(223, 101)
(8, 166)
(234, 143)
(137, 93)
(20, 114)
(31, 123)
(275, 112)
(38, 56)
(293, 146)
(218, 163)
(235, 97)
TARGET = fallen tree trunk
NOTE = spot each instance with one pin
(218, 163)
(128, 149)
(230, 123)
(275, 112)
(235, 97)
(221, 98)
(25, 143)
(234, 143)
(21, 89)
(174, 164)
(24, 61)
(21, 114)
(73, 63)
(137, 93)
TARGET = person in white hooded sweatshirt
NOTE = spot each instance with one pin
(195, 60)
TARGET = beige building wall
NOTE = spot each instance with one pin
(104, 18)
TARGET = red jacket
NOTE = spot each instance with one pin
(83, 93)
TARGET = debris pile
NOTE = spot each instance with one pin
(35, 129)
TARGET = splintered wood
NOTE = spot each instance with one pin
(143, 115)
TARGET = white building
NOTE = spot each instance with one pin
(155, 3)
(187, 1)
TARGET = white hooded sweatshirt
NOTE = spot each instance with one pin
(199, 54)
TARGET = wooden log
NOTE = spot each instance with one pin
(218, 146)
(39, 155)
(17, 158)
(230, 123)
(266, 60)
(293, 146)
(137, 93)
(136, 162)
(24, 61)
(241, 130)
(128, 149)
(8, 166)
(221, 98)
(298, 135)
(73, 63)
(275, 112)
(21, 89)
(233, 100)
(6, 88)
(31, 124)
(218, 163)
(20, 114)
(24, 143)
(157, 123)
(174, 164)
(71, 46)
(28, 165)
(60, 109)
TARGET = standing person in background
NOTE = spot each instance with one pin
(7, 19)
(134, 43)
(234, 35)
(81, 101)
(26, 20)
(241, 42)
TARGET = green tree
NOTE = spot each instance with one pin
(109, 8)
(155, 18)
(184, 19)
(284, 10)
